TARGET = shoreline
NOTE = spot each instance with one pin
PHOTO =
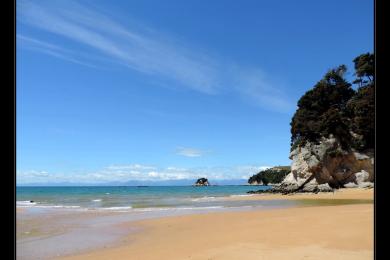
(345, 193)
(296, 232)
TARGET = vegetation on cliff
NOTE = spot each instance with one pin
(333, 107)
(272, 175)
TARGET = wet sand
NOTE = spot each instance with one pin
(316, 232)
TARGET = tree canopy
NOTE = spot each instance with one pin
(332, 107)
(272, 175)
(361, 107)
(364, 67)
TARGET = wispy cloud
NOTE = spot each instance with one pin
(190, 152)
(140, 52)
(146, 51)
(138, 172)
(52, 50)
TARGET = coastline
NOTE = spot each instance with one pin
(316, 232)
(346, 193)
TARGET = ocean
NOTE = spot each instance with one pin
(135, 198)
(53, 221)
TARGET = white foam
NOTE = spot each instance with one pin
(25, 203)
(202, 208)
(57, 206)
(205, 199)
(116, 208)
(97, 200)
(177, 209)
(152, 209)
(241, 195)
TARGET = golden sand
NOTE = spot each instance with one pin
(324, 232)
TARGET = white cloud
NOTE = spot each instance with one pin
(131, 167)
(146, 51)
(125, 173)
(190, 152)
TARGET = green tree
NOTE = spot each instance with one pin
(265, 181)
(361, 107)
(327, 99)
(365, 68)
(333, 107)
(272, 175)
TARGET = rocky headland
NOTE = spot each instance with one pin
(333, 133)
(326, 166)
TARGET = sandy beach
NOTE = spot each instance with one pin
(194, 130)
(315, 232)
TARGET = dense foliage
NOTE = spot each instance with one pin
(333, 107)
(361, 107)
(272, 175)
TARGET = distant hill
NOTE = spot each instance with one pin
(272, 175)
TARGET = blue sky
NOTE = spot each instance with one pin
(170, 90)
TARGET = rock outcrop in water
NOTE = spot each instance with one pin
(202, 182)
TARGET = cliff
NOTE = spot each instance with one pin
(333, 132)
(323, 166)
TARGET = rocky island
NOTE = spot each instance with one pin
(202, 182)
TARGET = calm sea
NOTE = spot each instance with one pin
(138, 198)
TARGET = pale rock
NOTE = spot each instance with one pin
(362, 176)
(329, 164)
(360, 156)
(324, 188)
(367, 185)
(310, 186)
(351, 185)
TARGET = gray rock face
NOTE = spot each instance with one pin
(362, 176)
(351, 185)
(324, 188)
(367, 185)
(327, 163)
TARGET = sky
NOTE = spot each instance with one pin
(117, 91)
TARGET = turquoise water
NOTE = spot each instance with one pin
(68, 220)
(134, 197)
